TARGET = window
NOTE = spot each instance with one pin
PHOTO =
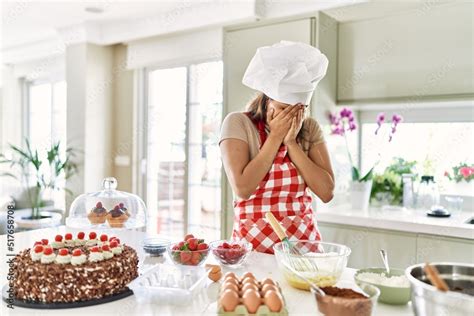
(436, 147)
(183, 172)
(46, 122)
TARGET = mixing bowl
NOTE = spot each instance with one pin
(320, 262)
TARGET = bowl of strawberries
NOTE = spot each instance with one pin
(231, 253)
(191, 251)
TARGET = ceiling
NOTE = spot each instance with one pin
(33, 21)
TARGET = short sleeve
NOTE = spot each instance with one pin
(233, 126)
(314, 134)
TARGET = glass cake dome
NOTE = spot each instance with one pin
(107, 209)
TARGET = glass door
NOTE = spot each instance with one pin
(183, 169)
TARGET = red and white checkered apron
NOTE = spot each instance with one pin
(282, 192)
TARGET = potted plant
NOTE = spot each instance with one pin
(38, 176)
(387, 188)
(461, 178)
(361, 184)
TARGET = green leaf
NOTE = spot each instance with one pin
(368, 176)
(355, 174)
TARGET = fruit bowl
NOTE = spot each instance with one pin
(191, 252)
(230, 253)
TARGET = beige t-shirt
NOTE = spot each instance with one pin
(239, 126)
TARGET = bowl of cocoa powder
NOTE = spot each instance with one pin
(348, 300)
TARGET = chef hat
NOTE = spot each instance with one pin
(287, 72)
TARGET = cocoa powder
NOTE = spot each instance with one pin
(343, 302)
(345, 293)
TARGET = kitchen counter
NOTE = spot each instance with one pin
(407, 220)
(262, 265)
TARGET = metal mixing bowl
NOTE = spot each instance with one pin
(427, 300)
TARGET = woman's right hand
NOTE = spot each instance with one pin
(280, 124)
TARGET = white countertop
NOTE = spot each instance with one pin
(408, 220)
(262, 265)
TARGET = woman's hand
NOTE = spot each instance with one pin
(296, 124)
(281, 123)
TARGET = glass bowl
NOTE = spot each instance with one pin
(231, 253)
(336, 305)
(155, 246)
(320, 262)
(107, 209)
(187, 257)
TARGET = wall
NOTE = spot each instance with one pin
(415, 53)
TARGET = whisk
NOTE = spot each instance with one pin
(300, 263)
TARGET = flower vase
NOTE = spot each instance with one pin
(360, 194)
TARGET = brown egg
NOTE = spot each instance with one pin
(230, 275)
(248, 275)
(215, 276)
(267, 281)
(229, 300)
(249, 285)
(273, 301)
(250, 280)
(231, 280)
(268, 287)
(230, 286)
(251, 300)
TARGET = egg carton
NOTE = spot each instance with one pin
(263, 310)
(174, 284)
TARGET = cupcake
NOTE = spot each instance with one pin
(78, 257)
(63, 256)
(117, 217)
(124, 209)
(98, 214)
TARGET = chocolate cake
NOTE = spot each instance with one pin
(74, 272)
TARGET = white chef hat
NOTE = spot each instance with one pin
(287, 72)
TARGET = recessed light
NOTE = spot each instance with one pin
(96, 10)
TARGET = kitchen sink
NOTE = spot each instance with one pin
(470, 221)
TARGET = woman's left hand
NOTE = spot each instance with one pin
(296, 124)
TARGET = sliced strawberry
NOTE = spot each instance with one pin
(113, 244)
(105, 248)
(202, 246)
(77, 252)
(38, 248)
(48, 251)
(185, 256)
(68, 236)
(188, 236)
(44, 241)
(196, 258)
(235, 246)
(37, 243)
(192, 243)
(94, 249)
(225, 245)
(63, 252)
(103, 238)
(81, 235)
(58, 238)
(92, 235)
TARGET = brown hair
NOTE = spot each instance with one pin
(257, 109)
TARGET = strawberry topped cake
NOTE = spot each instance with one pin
(74, 269)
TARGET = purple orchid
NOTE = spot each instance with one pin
(396, 119)
(346, 113)
(380, 120)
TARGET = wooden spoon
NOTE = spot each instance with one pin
(433, 275)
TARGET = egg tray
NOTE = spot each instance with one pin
(263, 310)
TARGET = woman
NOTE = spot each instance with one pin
(272, 153)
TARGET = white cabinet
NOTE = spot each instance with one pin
(365, 244)
(435, 248)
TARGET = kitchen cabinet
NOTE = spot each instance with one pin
(404, 249)
(435, 248)
(365, 244)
